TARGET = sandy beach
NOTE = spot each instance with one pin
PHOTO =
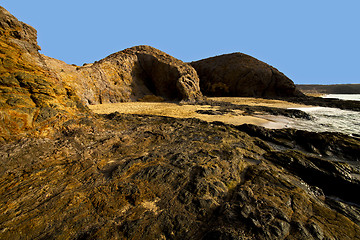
(176, 110)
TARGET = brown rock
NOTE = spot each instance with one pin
(30, 96)
(129, 75)
(36, 90)
(122, 176)
(238, 74)
(20, 33)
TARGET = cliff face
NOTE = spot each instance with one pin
(130, 75)
(238, 74)
(18, 32)
(35, 90)
(30, 96)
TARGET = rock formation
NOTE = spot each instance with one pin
(240, 75)
(124, 176)
(23, 35)
(30, 96)
(130, 75)
(66, 173)
(36, 89)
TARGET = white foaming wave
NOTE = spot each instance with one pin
(355, 97)
(328, 120)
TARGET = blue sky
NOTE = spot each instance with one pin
(310, 41)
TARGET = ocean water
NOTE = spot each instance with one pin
(330, 119)
(355, 97)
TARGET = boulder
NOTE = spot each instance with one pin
(239, 75)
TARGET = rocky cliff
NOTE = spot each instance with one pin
(84, 176)
(130, 75)
(238, 74)
(31, 97)
(35, 90)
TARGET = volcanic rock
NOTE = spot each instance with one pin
(18, 32)
(30, 96)
(124, 176)
(130, 75)
(239, 75)
(36, 90)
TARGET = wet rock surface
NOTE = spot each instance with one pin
(123, 176)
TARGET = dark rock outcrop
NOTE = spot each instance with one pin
(325, 144)
(149, 177)
(329, 89)
(238, 74)
(327, 102)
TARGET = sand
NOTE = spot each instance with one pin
(189, 111)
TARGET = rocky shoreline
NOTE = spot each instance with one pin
(139, 176)
(228, 106)
(329, 89)
(68, 173)
(327, 102)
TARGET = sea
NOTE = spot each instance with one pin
(355, 97)
(330, 119)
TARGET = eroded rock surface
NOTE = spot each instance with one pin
(239, 75)
(117, 176)
(145, 177)
(30, 96)
(18, 32)
(131, 75)
(36, 91)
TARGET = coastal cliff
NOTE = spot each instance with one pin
(130, 75)
(31, 97)
(67, 173)
(36, 89)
